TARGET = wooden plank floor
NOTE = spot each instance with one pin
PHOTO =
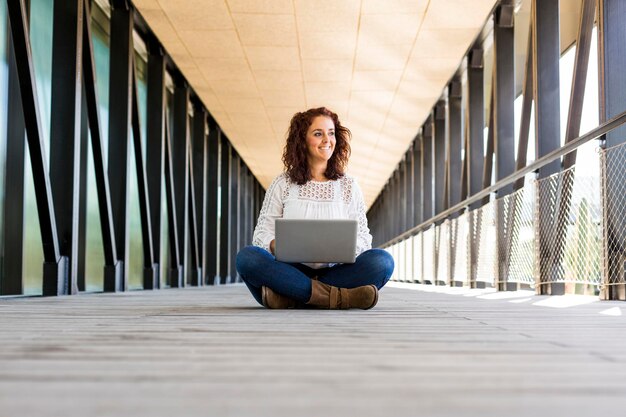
(214, 352)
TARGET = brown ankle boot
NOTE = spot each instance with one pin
(274, 300)
(329, 297)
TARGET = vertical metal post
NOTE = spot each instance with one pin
(119, 130)
(403, 195)
(82, 191)
(546, 92)
(456, 142)
(428, 206)
(475, 149)
(65, 128)
(439, 152)
(224, 248)
(199, 164)
(455, 164)
(612, 60)
(196, 199)
(418, 186)
(475, 156)
(409, 189)
(397, 207)
(235, 214)
(504, 132)
(211, 204)
(504, 95)
(418, 205)
(176, 270)
(154, 151)
(180, 165)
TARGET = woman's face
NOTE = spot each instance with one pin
(320, 139)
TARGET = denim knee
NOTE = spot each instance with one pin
(248, 259)
(383, 261)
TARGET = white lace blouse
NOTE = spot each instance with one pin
(338, 199)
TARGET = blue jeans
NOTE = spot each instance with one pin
(257, 267)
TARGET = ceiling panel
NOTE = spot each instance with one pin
(380, 64)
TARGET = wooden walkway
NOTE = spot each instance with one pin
(214, 352)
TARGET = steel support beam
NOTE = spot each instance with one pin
(120, 86)
(439, 153)
(65, 128)
(196, 159)
(176, 277)
(55, 269)
(180, 167)
(504, 95)
(235, 214)
(546, 92)
(154, 151)
(612, 61)
(476, 110)
(418, 186)
(210, 256)
(198, 168)
(428, 207)
(82, 191)
(455, 147)
(409, 189)
(225, 189)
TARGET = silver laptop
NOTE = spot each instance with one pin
(312, 241)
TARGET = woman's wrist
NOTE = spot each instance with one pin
(272, 246)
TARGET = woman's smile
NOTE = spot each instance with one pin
(320, 138)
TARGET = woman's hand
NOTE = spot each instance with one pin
(273, 246)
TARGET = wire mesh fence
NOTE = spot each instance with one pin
(551, 231)
(568, 229)
(442, 252)
(613, 197)
(483, 232)
(516, 252)
(418, 258)
(459, 240)
(429, 256)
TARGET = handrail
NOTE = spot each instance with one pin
(572, 145)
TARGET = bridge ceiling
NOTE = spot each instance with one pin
(380, 64)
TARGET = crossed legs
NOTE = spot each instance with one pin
(259, 268)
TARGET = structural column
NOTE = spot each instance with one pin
(612, 58)
(154, 151)
(210, 255)
(224, 213)
(504, 131)
(119, 133)
(546, 93)
(180, 166)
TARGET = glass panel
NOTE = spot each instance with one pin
(94, 250)
(41, 13)
(136, 254)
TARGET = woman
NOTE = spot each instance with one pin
(314, 186)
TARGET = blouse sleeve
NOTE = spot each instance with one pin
(357, 211)
(271, 209)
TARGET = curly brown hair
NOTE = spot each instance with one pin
(295, 151)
